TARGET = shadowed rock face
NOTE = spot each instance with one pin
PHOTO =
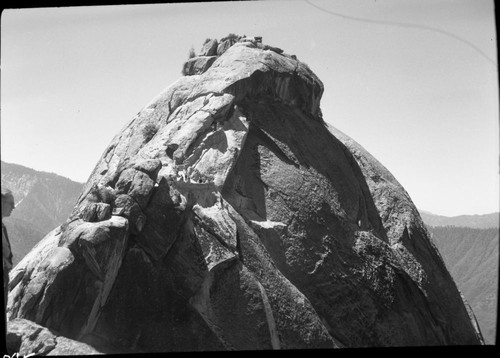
(228, 215)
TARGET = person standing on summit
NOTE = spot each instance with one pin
(7, 207)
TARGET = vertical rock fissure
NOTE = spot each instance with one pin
(220, 240)
(271, 323)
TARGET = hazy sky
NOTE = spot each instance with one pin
(412, 81)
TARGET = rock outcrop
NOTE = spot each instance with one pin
(27, 338)
(228, 216)
(212, 49)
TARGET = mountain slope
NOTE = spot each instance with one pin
(43, 202)
(228, 216)
(471, 256)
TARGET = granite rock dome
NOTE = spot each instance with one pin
(228, 215)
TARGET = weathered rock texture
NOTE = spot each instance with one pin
(228, 215)
(27, 338)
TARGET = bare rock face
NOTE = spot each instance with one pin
(198, 65)
(228, 215)
(209, 48)
(27, 338)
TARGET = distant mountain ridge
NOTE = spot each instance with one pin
(43, 201)
(484, 221)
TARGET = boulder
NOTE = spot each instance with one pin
(198, 65)
(209, 48)
(28, 338)
(223, 46)
(95, 212)
(149, 166)
(272, 48)
(126, 206)
(66, 285)
(136, 184)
